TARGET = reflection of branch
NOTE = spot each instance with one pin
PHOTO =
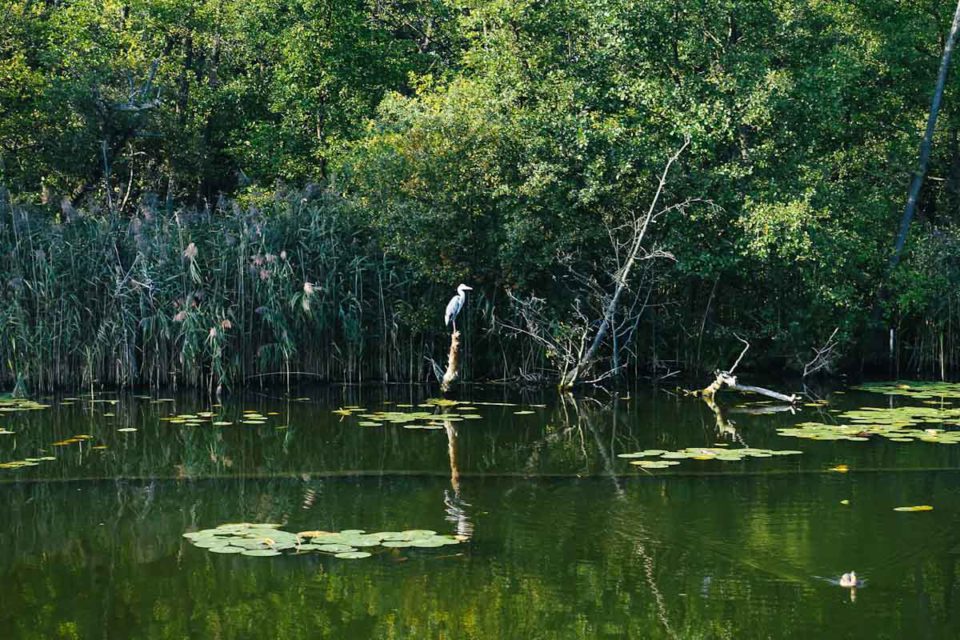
(652, 582)
(607, 462)
(724, 426)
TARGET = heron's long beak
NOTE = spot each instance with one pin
(468, 288)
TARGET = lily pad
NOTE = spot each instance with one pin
(352, 555)
(414, 534)
(260, 553)
(717, 453)
(427, 542)
(654, 464)
(335, 548)
(227, 549)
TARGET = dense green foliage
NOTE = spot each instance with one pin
(482, 140)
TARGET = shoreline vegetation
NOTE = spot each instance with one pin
(214, 194)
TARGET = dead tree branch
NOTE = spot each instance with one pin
(822, 357)
(726, 379)
(604, 317)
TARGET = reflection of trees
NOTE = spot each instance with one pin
(554, 559)
(136, 577)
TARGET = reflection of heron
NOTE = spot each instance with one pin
(456, 303)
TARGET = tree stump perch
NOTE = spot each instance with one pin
(453, 363)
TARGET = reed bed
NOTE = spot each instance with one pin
(295, 287)
(214, 299)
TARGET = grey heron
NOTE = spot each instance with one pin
(455, 304)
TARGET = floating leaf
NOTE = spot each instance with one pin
(352, 555)
(428, 542)
(414, 534)
(260, 553)
(721, 454)
(313, 534)
(363, 541)
(654, 464)
(265, 539)
(230, 549)
(919, 507)
(389, 535)
(335, 548)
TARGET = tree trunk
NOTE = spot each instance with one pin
(925, 146)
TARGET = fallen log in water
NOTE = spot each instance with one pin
(724, 379)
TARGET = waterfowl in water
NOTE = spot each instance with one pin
(848, 580)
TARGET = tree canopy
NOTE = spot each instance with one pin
(502, 141)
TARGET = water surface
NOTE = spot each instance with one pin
(565, 538)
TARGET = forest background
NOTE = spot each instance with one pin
(217, 192)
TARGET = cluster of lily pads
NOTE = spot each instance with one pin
(671, 458)
(913, 389)
(35, 461)
(14, 405)
(897, 424)
(414, 419)
(265, 539)
(26, 462)
(249, 416)
(82, 437)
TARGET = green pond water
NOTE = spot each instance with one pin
(548, 532)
